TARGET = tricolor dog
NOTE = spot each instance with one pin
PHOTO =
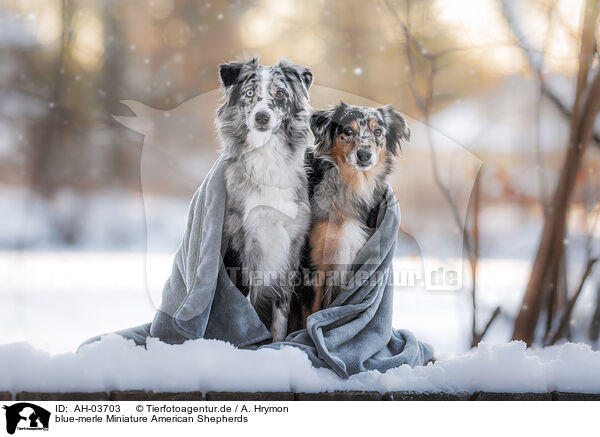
(264, 128)
(353, 155)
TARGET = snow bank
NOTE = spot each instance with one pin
(117, 364)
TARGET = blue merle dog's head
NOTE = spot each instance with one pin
(262, 102)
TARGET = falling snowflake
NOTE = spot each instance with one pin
(358, 71)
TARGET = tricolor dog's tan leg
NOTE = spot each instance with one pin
(325, 239)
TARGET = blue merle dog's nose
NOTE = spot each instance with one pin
(363, 155)
(262, 118)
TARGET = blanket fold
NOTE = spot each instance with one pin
(354, 334)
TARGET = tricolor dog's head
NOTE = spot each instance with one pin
(262, 101)
(359, 137)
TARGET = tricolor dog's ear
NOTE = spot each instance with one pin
(229, 73)
(322, 125)
(397, 130)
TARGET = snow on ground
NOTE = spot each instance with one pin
(55, 300)
(204, 365)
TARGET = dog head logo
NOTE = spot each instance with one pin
(26, 416)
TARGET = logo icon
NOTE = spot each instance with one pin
(26, 416)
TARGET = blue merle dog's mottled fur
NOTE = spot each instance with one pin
(263, 125)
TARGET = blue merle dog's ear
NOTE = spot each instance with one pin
(322, 126)
(299, 72)
(397, 130)
(229, 73)
(307, 77)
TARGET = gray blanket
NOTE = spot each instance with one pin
(354, 334)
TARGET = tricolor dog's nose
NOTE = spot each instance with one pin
(262, 118)
(363, 155)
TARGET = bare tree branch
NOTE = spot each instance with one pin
(535, 60)
(594, 330)
(479, 337)
(566, 319)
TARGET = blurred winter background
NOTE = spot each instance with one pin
(88, 223)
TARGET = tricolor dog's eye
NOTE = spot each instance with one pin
(377, 132)
(280, 94)
(349, 131)
(250, 93)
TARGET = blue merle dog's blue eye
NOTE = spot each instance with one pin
(377, 132)
(249, 93)
(280, 94)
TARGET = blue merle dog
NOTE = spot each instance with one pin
(264, 128)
